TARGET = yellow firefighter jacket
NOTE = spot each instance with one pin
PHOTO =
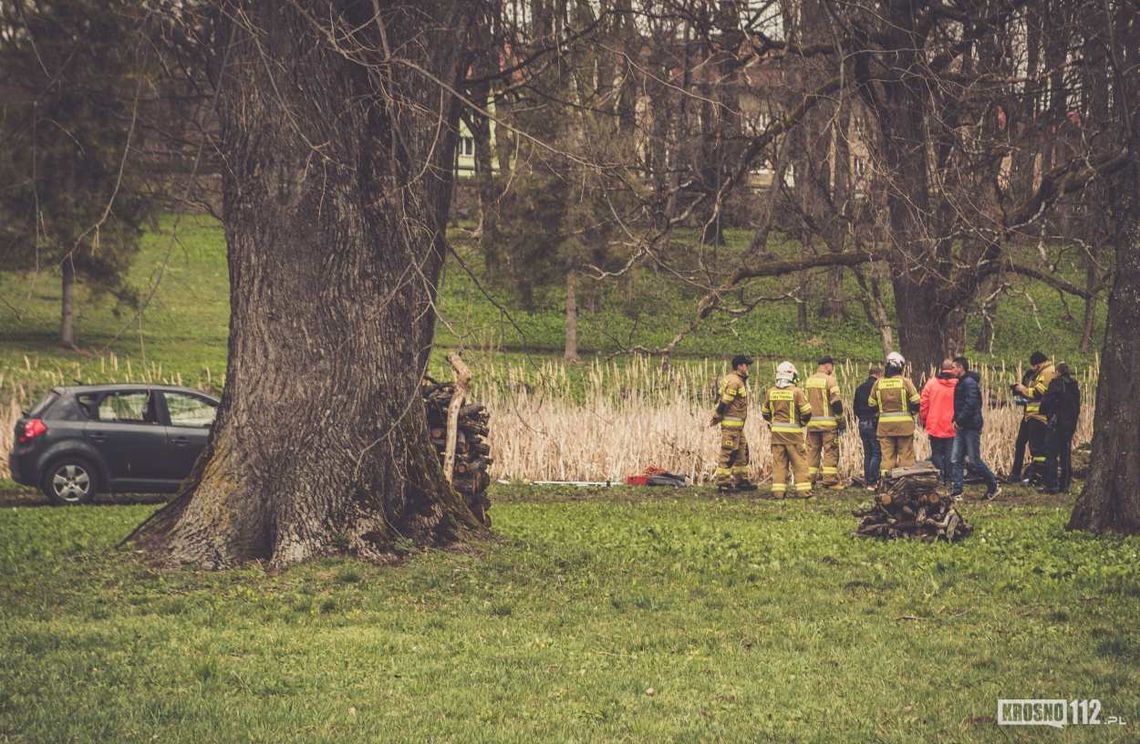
(786, 409)
(734, 396)
(893, 397)
(1037, 391)
(822, 391)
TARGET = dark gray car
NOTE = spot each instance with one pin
(89, 439)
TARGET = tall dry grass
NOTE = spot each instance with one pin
(605, 420)
(630, 415)
(9, 412)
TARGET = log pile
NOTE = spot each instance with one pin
(472, 453)
(909, 504)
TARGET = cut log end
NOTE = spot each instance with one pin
(910, 505)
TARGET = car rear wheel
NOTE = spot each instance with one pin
(70, 480)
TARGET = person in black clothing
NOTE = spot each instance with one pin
(1062, 406)
(1022, 436)
(868, 427)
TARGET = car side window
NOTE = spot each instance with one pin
(188, 410)
(126, 408)
(87, 403)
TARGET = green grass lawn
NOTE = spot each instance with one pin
(616, 615)
(181, 333)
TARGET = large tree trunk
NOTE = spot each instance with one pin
(1111, 497)
(67, 302)
(336, 187)
(1110, 500)
(917, 252)
(923, 325)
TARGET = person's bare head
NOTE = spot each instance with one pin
(875, 371)
(826, 364)
(960, 365)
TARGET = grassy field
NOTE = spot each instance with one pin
(181, 333)
(623, 615)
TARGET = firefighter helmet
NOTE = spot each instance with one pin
(895, 361)
(786, 372)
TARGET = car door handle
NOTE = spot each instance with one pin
(97, 436)
(180, 441)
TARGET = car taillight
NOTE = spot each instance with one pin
(33, 429)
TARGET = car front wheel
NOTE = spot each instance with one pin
(69, 481)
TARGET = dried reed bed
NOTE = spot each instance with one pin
(621, 417)
(37, 374)
(9, 412)
(598, 421)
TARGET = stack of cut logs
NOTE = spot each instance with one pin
(909, 505)
(472, 453)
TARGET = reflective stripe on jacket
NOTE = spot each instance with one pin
(1040, 386)
(822, 390)
(734, 396)
(785, 410)
(893, 397)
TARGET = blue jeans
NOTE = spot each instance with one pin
(941, 452)
(968, 453)
(872, 455)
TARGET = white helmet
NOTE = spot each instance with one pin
(895, 359)
(786, 372)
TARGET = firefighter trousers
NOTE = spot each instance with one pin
(732, 464)
(823, 455)
(790, 459)
(1038, 433)
(898, 452)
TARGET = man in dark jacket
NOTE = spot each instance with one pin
(1062, 406)
(968, 425)
(868, 418)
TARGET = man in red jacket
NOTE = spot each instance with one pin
(936, 414)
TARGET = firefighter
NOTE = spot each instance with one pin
(1022, 442)
(822, 390)
(1036, 422)
(731, 412)
(896, 399)
(787, 410)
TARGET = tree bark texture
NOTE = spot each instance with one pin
(920, 255)
(1110, 500)
(67, 302)
(338, 151)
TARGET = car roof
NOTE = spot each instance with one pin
(76, 389)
